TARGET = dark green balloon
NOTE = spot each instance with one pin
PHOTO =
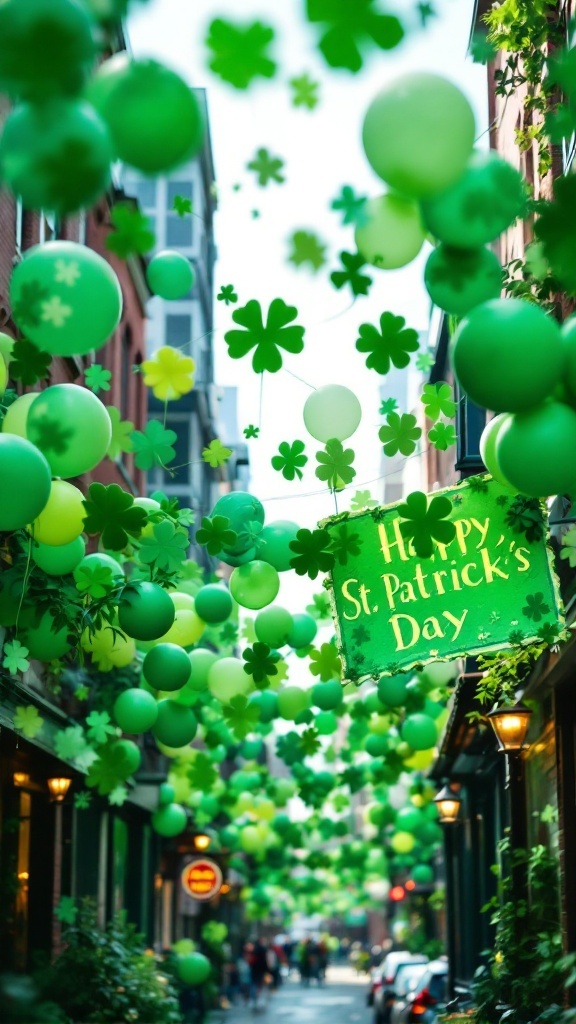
(175, 725)
(213, 603)
(135, 710)
(535, 450)
(274, 544)
(327, 696)
(457, 280)
(47, 47)
(145, 611)
(169, 821)
(304, 629)
(392, 690)
(419, 731)
(170, 275)
(25, 476)
(167, 667)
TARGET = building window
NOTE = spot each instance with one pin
(144, 191)
(179, 230)
(179, 332)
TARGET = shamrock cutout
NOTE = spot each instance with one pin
(132, 235)
(424, 361)
(97, 378)
(388, 405)
(349, 28)
(241, 716)
(182, 206)
(82, 692)
(516, 637)
(267, 167)
(111, 512)
(239, 54)
(100, 727)
(320, 607)
(15, 657)
(555, 228)
(312, 553)
(29, 364)
(153, 447)
(423, 523)
(351, 206)
(310, 744)
(216, 454)
(304, 91)
(121, 433)
(344, 543)
(426, 11)
(69, 743)
(27, 310)
(267, 338)
(169, 374)
(437, 401)
(391, 344)
(48, 435)
(82, 800)
(326, 663)
(535, 607)
(307, 250)
(442, 436)
(27, 720)
(66, 911)
(362, 500)
(201, 774)
(251, 431)
(166, 549)
(481, 49)
(118, 796)
(335, 465)
(548, 633)
(288, 748)
(260, 662)
(227, 294)
(55, 312)
(477, 484)
(354, 778)
(568, 551)
(110, 769)
(215, 534)
(352, 263)
(525, 516)
(289, 460)
(94, 582)
(399, 434)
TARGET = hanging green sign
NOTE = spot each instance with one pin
(493, 585)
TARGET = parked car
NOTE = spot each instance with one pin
(383, 976)
(428, 998)
(389, 1003)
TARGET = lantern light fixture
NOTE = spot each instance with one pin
(448, 803)
(58, 788)
(510, 726)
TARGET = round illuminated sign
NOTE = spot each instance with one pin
(202, 879)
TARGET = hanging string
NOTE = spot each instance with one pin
(25, 580)
(260, 402)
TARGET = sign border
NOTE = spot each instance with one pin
(217, 870)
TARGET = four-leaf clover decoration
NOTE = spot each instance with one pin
(66, 911)
(304, 91)
(525, 516)
(100, 727)
(391, 345)
(97, 378)
(182, 205)
(309, 742)
(240, 53)
(351, 206)
(169, 373)
(361, 500)
(335, 465)
(27, 719)
(312, 553)
(535, 607)
(201, 774)
(132, 234)
(94, 582)
(122, 431)
(326, 663)
(569, 547)
(267, 167)
(216, 454)
(345, 542)
(167, 548)
(251, 431)
(241, 716)
(267, 338)
(399, 434)
(215, 533)
(437, 401)
(388, 405)
(111, 512)
(352, 263)
(442, 436)
(307, 250)
(423, 522)
(424, 361)
(227, 294)
(153, 447)
(15, 657)
(29, 364)
(348, 27)
(260, 662)
(290, 459)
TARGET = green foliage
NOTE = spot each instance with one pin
(506, 672)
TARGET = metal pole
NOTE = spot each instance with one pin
(516, 786)
(57, 883)
(450, 907)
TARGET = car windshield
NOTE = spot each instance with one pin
(407, 977)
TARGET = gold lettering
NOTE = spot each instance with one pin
(364, 591)
(420, 576)
(387, 545)
(465, 573)
(483, 530)
(390, 587)
(431, 628)
(348, 597)
(522, 558)
(438, 581)
(407, 593)
(491, 568)
(457, 623)
(463, 530)
(396, 626)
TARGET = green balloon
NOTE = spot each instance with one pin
(273, 625)
(26, 482)
(43, 641)
(507, 355)
(56, 156)
(170, 275)
(267, 702)
(58, 561)
(292, 702)
(131, 756)
(145, 611)
(71, 427)
(201, 661)
(568, 333)
(47, 47)
(254, 585)
(241, 509)
(418, 134)
(274, 544)
(213, 603)
(419, 732)
(327, 696)
(408, 819)
(175, 725)
(488, 442)
(393, 233)
(377, 745)
(458, 280)
(304, 629)
(535, 450)
(230, 837)
(135, 711)
(227, 679)
(169, 821)
(166, 667)
(332, 412)
(81, 287)
(16, 416)
(326, 723)
(393, 690)
(423, 874)
(152, 114)
(486, 200)
(165, 794)
(100, 559)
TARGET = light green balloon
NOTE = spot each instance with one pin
(71, 427)
(16, 416)
(488, 441)
(58, 561)
(227, 679)
(254, 585)
(393, 233)
(332, 411)
(292, 701)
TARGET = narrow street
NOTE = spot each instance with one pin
(341, 1000)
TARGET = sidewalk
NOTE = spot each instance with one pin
(341, 1000)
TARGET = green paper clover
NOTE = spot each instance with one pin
(111, 512)
(27, 311)
(335, 467)
(28, 720)
(82, 692)
(549, 633)
(50, 436)
(260, 662)
(516, 637)
(66, 911)
(312, 553)
(525, 516)
(69, 743)
(477, 484)
(351, 27)
(94, 582)
(399, 434)
(288, 748)
(345, 543)
(290, 459)
(267, 338)
(240, 52)
(352, 264)
(424, 523)
(251, 431)
(568, 551)
(99, 726)
(216, 454)
(304, 91)
(29, 364)
(132, 233)
(82, 800)
(309, 742)
(111, 769)
(326, 663)
(97, 378)
(15, 657)
(201, 774)
(556, 227)
(166, 549)
(388, 405)
(214, 933)
(122, 431)
(424, 361)
(354, 778)
(352, 207)
(215, 534)
(267, 167)
(391, 345)
(426, 11)
(118, 796)
(442, 436)
(241, 716)
(182, 206)
(535, 607)
(362, 500)
(307, 250)
(153, 447)
(227, 294)
(437, 401)
(482, 50)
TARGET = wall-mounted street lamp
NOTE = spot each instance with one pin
(448, 803)
(510, 726)
(58, 788)
(202, 841)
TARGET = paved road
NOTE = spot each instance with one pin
(342, 1000)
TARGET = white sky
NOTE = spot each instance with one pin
(322, 151)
